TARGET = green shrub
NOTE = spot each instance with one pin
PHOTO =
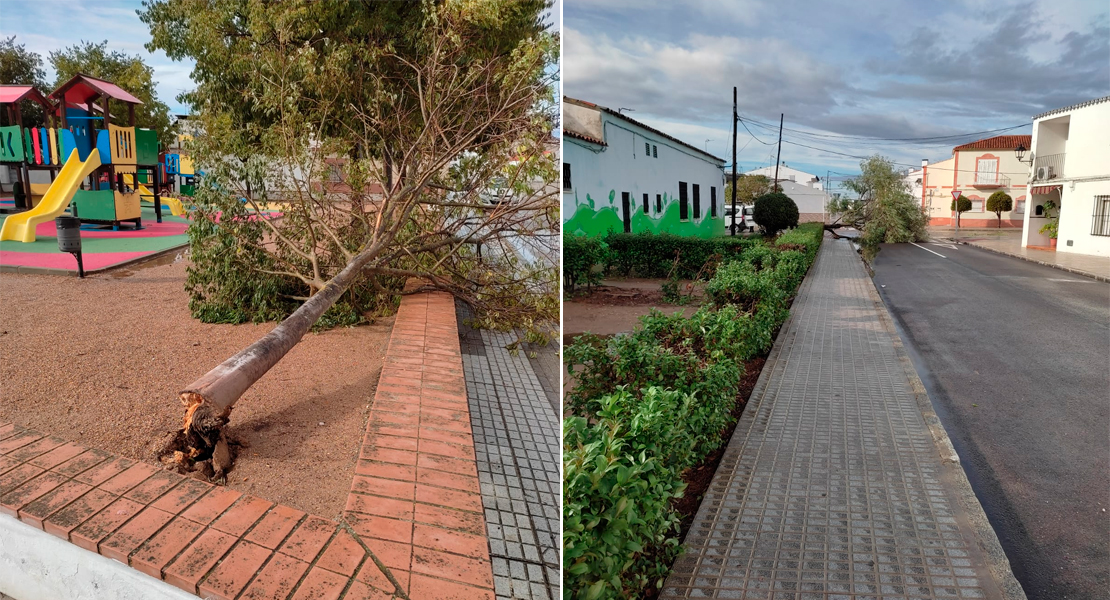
(621, 475)
(805, 238)
(580, 255)
(774, 212)
(653, 255)
(740, 284)
(998, 203)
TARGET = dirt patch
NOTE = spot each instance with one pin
(100, 361)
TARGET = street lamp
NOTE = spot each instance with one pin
(1020, 153)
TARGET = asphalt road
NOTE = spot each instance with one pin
(1016, 359)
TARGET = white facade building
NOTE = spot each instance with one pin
(1070, 154)
(812, 201)
(788, 174)
(622, 175)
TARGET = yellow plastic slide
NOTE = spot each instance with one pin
(21, 226)
(176, 208)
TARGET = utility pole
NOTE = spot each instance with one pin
(733, 225)
(778, 159)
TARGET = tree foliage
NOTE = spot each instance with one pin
(774, 212)
(884, 209)
(960, 205)
(413, 137)
(20, 66)
(128, 72)
(748, 188)
(998, 203)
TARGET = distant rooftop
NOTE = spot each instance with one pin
(998, 142)
(1072, 107)
(638, 124)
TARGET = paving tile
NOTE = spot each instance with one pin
(185, 493)
(57, 456)
(275, 526)
(423, 586)
(69, 518)
(385, 470)
(382, 507)
(449, 518)
(19, 440)
(211, 505)
(404, 490)
(241, 516)
(308, 539)
(448, 498)
(104, 471)
(36, 512)
(381, 528)
(234, 572)
(36, 448)
(276, 579)
(161, 548)
(452, 567)
(16, 477)
(28, 492)
(82, 462)
(343, 554)
(104, 523)
(456, 542)
(129, 478)
(128, 538)
(321, 584)
(186, 571)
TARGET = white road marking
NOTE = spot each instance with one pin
(1072, 280)
(928, 250)
(950, 246)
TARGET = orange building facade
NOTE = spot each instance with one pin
(978, 169)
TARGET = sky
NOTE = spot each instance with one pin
(866, 69)
(44, 26)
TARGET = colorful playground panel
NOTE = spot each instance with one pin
(102, 247)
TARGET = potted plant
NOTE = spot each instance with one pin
(1051, 228)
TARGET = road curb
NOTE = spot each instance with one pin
(999, 564)
(22, 270)
(1103, 278)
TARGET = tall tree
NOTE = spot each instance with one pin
(748, 188)
(401, 141)
(884, 209)
(127, 71)
(18, 65)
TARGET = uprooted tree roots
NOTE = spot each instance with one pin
(202, 446)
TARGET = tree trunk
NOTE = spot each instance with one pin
(209, 400)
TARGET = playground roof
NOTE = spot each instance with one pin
(81, 88)
(10, 94)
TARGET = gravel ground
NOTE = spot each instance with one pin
(100, 361)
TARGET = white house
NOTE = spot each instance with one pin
(622, 175)
(1070, 167)
(788, 174)
(812, 201)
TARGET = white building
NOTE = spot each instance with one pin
(1070, 155)
(622, 175)
(788, 174)
(812, 201)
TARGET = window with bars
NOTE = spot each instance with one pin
(713, 201)
(647, 149)
(654, 151)
(683, 202)
(1100, 220)
(697, 201)
(566, 176)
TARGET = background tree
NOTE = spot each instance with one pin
(960, 205)
(748, 188)
(128, 72)
(884, 209)
(20, 66)
(439, 117)
(998, 203)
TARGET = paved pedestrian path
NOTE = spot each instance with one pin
(832, 485)
(516, 442)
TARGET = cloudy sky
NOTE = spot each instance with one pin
(49, 25)
(845, 71)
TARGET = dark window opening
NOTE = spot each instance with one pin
(683, 202)
(1040, 210)
(566, 176)
(646, 207)
(697, 201)
(713, 201)
(647, 149)
(654, 152)
(1100, 220)
(626, 204)
(658, 203)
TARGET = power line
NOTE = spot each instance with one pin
(879, 139)
(931, 167)
(753, 135)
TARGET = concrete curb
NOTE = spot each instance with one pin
(1103, 278)
(21, 270)
(999, 565)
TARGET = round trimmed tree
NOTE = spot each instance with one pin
(774, 212)
(961, 205)
(998, 203)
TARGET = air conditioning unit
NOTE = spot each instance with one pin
(1045, 173)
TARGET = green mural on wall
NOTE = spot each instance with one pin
(589, 219)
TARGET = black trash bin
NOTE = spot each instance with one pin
(69, 239)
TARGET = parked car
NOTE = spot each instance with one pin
(745, 223)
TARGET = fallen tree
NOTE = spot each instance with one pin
(380, 146)
(883, 211)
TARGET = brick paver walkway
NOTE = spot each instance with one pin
(516, 437)
(832, 485)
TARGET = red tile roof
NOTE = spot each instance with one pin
(998, 142)
(573, 134)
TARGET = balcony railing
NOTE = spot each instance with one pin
(1049, 166)
(991, 180)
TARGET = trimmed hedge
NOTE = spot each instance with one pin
(774, 212)
(652, 403)
(653, 255)
(580, 255)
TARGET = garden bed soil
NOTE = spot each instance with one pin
(100, 361)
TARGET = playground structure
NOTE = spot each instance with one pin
(79, 123)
